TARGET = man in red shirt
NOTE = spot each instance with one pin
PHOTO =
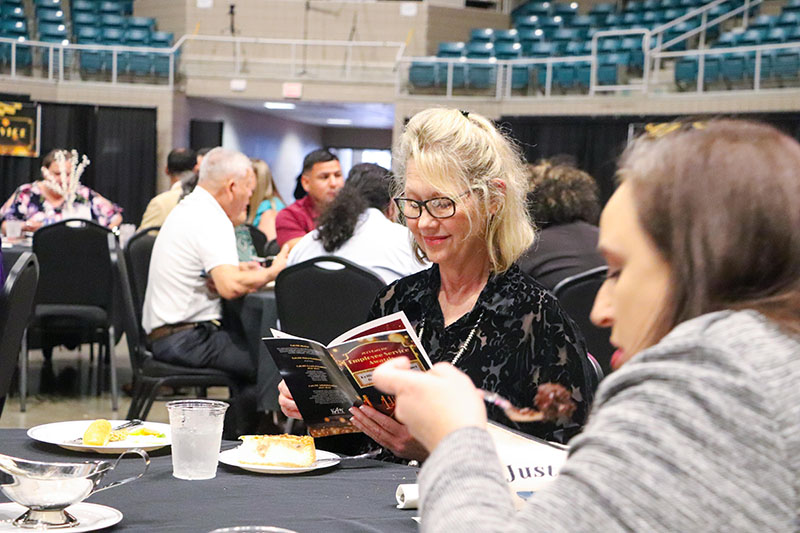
(321, 179)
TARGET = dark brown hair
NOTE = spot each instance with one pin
(561, 194)
(48, 159)
(721, 201)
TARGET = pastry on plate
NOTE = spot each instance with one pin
(277, 450)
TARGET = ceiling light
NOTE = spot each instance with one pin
(339, 121)
(279, 105)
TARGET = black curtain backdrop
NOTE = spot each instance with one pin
(595, 143)
(120, 142)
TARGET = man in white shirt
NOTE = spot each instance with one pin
(195, 263)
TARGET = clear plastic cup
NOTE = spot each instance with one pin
(196, 433)
(14, 228)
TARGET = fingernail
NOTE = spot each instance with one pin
(353, 410)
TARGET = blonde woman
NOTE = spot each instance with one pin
(699, 430)
(265, 202)
(463, 198)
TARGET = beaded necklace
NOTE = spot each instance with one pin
(457, 357)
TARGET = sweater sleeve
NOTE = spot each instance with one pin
(681, 440)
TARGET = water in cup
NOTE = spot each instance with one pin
(196, 432)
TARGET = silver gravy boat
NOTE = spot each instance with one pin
(47, 489)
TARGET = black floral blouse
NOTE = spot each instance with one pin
(523, 338)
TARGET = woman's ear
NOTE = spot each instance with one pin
(498, 197)
(391, 211)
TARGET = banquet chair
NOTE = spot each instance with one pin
(259, 239)
(74, 298)
(137, 254)
(149, 374)
(16, 304)
(576, 296)
(323, 297)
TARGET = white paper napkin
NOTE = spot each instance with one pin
(407, 496)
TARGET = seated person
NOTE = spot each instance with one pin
(181, 315)
(357, 226)
(699, 430)
(321, 179)
(267, 199)
(563, 204)
(180, 169)
(463, 200)
(45, 201)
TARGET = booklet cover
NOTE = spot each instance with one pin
(326, 381)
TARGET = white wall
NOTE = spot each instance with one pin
(281, 143)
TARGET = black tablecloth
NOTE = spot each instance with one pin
(353, 497)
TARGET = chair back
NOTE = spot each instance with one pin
(258, 238)
(74, 264)
(137, 253)
(131, 314)
(576, 296)
(325, 296)
(16, 305)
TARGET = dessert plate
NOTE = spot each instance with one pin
(324, 460)
(91, 517)
(61, 433)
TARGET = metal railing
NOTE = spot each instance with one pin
(213, 57)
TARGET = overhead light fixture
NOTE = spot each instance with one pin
(279, 105)
(339, 121)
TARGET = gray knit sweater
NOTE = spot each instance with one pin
(698, 433)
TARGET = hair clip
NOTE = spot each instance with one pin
(658, 130)
(465, 113)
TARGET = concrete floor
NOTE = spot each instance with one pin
(66, 393)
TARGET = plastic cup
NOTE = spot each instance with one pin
(196, 432)
(14, 228)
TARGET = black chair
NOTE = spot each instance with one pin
(75, 295)
(150, 374)
(259, 240)
(323, 297)
(576, 295)
(16, 304)
(139, 249)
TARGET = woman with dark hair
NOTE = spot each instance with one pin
(564, 205)
(700, 429)
(357, 226)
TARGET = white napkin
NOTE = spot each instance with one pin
(407, 496)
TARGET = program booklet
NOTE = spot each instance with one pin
(326, 381)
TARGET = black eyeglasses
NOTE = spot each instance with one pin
(439, 207)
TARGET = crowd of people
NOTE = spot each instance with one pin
(699, 426)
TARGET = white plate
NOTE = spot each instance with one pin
(324, 460)
(60, 433)
(90, 515)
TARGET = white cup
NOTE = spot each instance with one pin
(196, 433)
(14, 228)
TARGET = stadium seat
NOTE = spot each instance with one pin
(520, 74)
(763, 21)
(792, 6)
(535, 8)
(83, 6)
(93, 61)
(139, 63)
(529, 22)
(789, 20)
(55, 4)
(775, 36)
(481, 76)
(161, 39)
(83, 18)
(423, 74)
(734, 67)
(136, 37)
(161, 65)
(111, 36)
(602, 9)
(50, 15)
(451, 49)
(481, 35)
(12, 12)
(141, 23)
(727, 40)
(751, 38)
(52, 32)
(446, 50)
(566, 11)
(506, 36)
(786, 65)
(581, 22)
(111, 8)
(564, 76)
(112, 21)
(87, 35)
(541, 49)
(613, 19)
(14, 28)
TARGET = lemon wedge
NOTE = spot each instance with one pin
(98, 433)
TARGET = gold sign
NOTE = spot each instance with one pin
(19, 129)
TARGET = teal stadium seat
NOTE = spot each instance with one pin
(12, 12)
(423, 74)
(787, 64)
(792, 6)
(55, 4)
(481, 35)
(112, 21)
(535, 8)
(481, 76)
(751, 37)
(603, 9)
(727, 40)
(528, 22)
(520, 74)
(161, 63)
(52, 32)
(506, 36)
(83, 6)
(84, 19)
(775, 36)
(161, 39)
(87, 35)
(528, 39)
(452, 50)
(141, 23)
(136, 37)
(111, 8)
(789, 20)
(763, 21)
(50, 15)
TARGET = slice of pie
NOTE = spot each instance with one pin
(277, 450)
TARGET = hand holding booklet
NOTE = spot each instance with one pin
(326, 381)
